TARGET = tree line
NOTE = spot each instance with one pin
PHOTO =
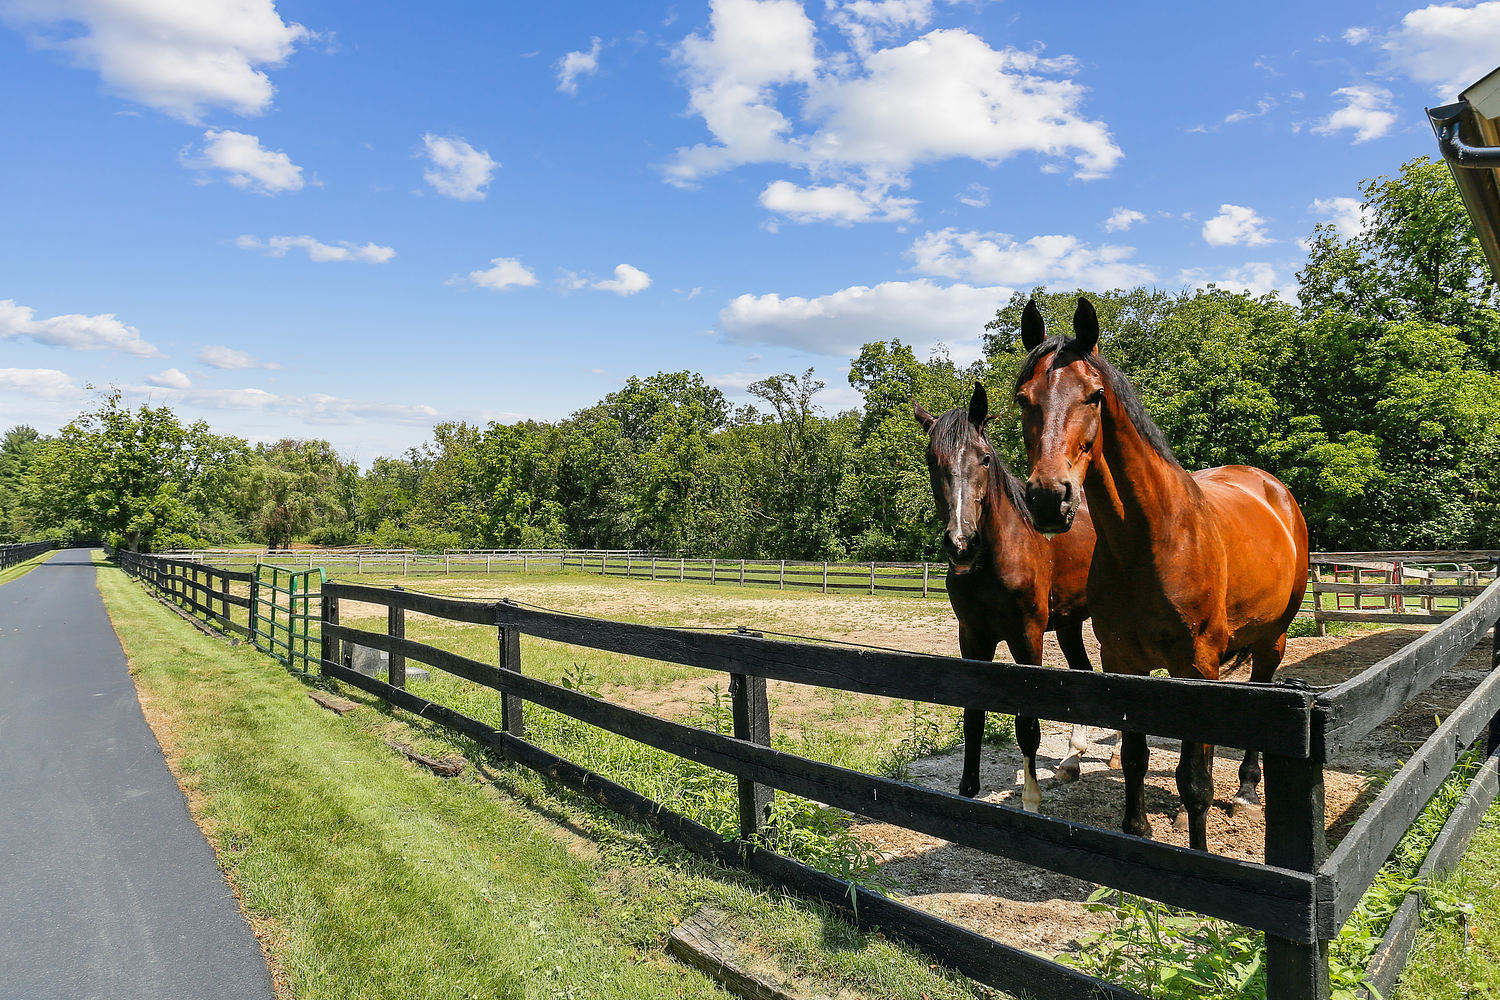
(1375, 397)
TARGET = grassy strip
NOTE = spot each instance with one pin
(1455, 953)
(1171, 954)
(367, 877)
(21, 569)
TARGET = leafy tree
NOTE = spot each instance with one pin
(293, 486)
(17, 450)
(137, 477)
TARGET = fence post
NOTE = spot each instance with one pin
(1397, 602)
(511, 717)
(1295, 970)
(752, 722)
(525, 564)
(603, 564)
(825, 577)
(395, 627)
(254, 608)
(781, 577)
(447, 563)
(742, 572)
(925, 568)
(224, 598)
(330, 650)
(653, 569)
(872, 579)
(713, 571)
(682, 569)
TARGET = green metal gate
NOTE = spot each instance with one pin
(285, 607)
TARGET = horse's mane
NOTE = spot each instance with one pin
(1118, 385)
(951, 432)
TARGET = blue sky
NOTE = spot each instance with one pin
(352, 221)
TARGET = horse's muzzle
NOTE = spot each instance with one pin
(1052, 508)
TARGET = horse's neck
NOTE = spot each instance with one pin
(1135, 495)
(1006, 530)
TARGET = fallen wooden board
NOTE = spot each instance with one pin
(444, 767)
(332, 702)
(706, 940)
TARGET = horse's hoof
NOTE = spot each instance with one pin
(1141, 829)
(1180, 823)
(968, 791)
(1251, 811)
(1067, 772)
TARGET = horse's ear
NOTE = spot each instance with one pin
(923, 417)
(979, 405)
(1033, 327)
(1085, 328)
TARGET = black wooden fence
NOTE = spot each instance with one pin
(14, 555)
(1299, 897)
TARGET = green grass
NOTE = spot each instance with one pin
(369, 877)
(21, 569)
(1457, 954)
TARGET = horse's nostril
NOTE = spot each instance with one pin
(1067, 492)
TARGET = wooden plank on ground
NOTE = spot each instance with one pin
(333, 702)
(707, 941)
(448, 766)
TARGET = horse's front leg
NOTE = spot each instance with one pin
(1028, 649)
(1070, 640)
(973, 646)
(1195, 787)
(1134, 758)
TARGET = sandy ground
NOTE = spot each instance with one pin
(1010, 901)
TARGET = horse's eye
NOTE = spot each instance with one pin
(984, 460)
(1020, 400)
(1097, 396)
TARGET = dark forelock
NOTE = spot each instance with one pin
(1114, 380)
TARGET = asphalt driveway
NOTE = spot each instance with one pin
(107, 887)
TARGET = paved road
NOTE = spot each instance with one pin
(107, 888)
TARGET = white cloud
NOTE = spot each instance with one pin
(736, 380)
(279, 246)
(314, 408)
(864, 118)
(575, 64)
(457, 170)
(627, 281)
(1235, 225)
(229, 359)
(1263, 107)
(998, 258)
(866, 22)
(975, 196)
(1346, 214)
(921, 313)
(1357, 36)
(43, 383)
(1122, 219)
(73, 331)
(837, 203)
(179, 56)
(505, 272)
(1257, 278)
(1366, 110)
(246, 163)
(172, 378)
(1446, 47)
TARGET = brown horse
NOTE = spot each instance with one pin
(1191, 570)
(1004, 580)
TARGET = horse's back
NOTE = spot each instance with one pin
(1265, 543)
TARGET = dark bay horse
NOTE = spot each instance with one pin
(1005, 580)
(1191, 571)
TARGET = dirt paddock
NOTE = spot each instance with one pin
(1009, 901)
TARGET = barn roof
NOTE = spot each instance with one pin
(1468, 134)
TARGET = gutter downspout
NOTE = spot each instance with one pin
(1474, 172)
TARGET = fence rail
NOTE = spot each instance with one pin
(14, 555)
(1299, 897)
